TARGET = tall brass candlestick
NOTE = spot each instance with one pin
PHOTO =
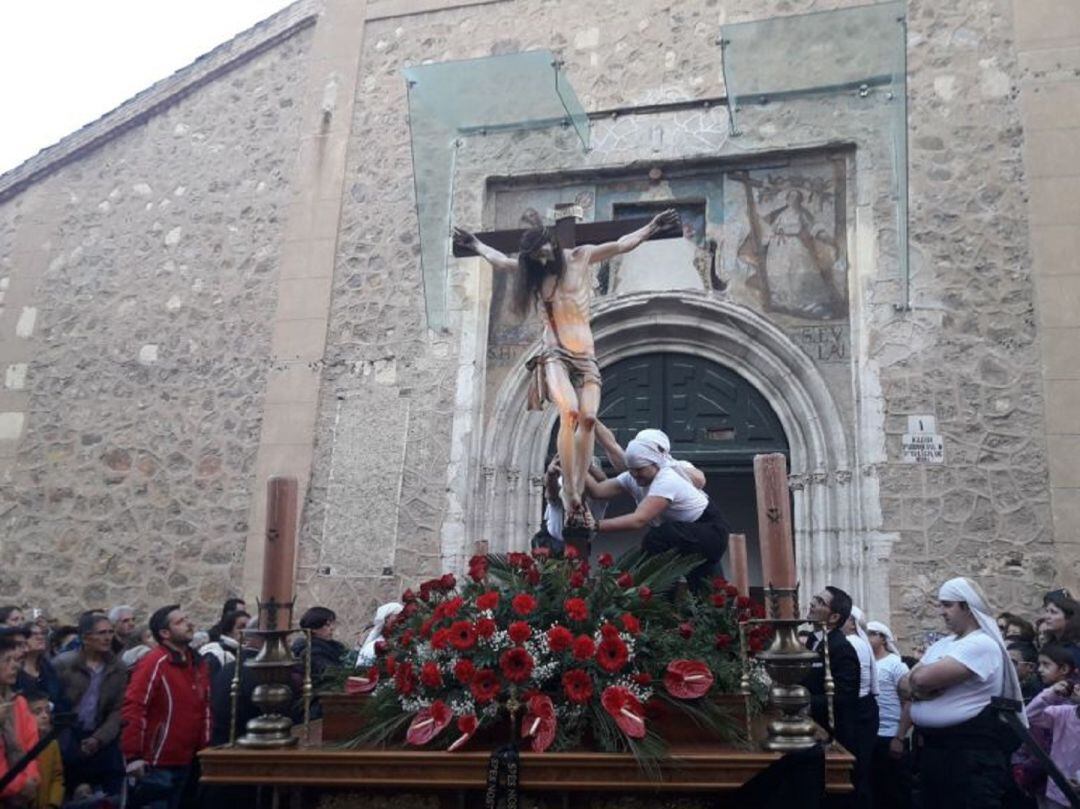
(774, 530)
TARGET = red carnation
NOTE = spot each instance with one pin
(539, 723)
(609, 630)
(449, 608)
(484, 686)
(430, 675)
(571, 552)
(723, 640)
(464, 671)
(606, 560)
(630, 623)
(462, 635)
(406, 638)
(559, 638)
(478, 568)
(488, 601)
(612, 654)
(577, 579)
(719, 583)
(625, 580)
(577, 685)
(686, 629)
(440, 639)
(425, 628)
(687, 679)
(576, 609)
(523, 604)
(742, 602)
(485, 627)
(516, 665)
(719, 599)
(584, 648)
(429, 723)
(467, 725)
(404, 679)
(519, 632)
(644, 593)
(625, 709)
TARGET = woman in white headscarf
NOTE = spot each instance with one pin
(889, 768)
(659, 441)
(383, 614)
(964, 749)
(677, 514)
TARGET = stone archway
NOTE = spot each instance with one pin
(829, 525)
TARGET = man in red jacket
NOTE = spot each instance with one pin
(166, 712)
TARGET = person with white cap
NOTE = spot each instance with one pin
(962, 745)
(889, 771)
(676, 513)
(866, 718)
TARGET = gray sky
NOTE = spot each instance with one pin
(65, 63)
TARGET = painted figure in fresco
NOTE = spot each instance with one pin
(794, 264)
(558, 284)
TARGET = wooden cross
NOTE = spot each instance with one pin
(569, 232)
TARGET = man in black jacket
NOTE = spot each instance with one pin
(832, 607)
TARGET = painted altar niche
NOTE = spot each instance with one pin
(770, 234)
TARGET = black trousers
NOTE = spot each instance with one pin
(891, 778)
(707, 537)
(960, 778)
(866, 720)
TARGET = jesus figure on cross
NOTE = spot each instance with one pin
(557, 282)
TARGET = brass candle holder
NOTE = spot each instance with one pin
(272, 670)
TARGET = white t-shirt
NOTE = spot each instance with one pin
(687, 502)
(890, 669)
(553, 515)
(981, 655)
(866, 664)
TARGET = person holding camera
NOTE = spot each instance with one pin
(962, 746)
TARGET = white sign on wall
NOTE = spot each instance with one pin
(921, 443)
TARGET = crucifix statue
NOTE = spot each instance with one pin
(553, 277)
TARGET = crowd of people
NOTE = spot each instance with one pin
(112, 710)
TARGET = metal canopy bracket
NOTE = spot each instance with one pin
(452, 100)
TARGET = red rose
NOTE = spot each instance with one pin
(576, 609)
(523, 604)
(478, 568)
(516, 665)
(448, 581)
(687, 679)
(449, 608)
(522, 561)
(577, 685)
(559, 638)
(539, 723)
(410, 609)
(625, 709)
(485, 627)
(719, 599)
(440, 639)
(404, 679)
(731, 590)
(464, 671)
(686, 629)
(429, 723)
(630, 623)
(462, 635)
(484, 686)
(533, 576)
(644, 593)
(584, 648)
(625, 580)
(723, 640)
(408, 596)
(488, 601)
(519, 632)
(742, 602)
(719, 583)
(606, 560)
(430, 675)
(612, 655)
(577, 580)
(425, 591)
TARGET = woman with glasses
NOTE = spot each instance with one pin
(93, 681)
(37, 673)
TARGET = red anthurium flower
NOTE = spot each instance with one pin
(519, 632)
(577, 685)
(625, 709)
(612, 654)
(363, 684)
(467, 724)
(516, 664)
(462, 635)
(429, 723)
(523, 603)
(630, 623)
(625, 580)
(464, 671)
(559, 638)
(488, 601)
(584, 648)
(484, 686)
(576, 609)
(723, 640)
(644, 593)
(539, 723)
(687, 679)
(430, 675)
(606, 560)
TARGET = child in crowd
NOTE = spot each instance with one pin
(1055, 666)
(1057, 710)
(50, 791)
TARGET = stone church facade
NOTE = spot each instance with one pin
(220, 280)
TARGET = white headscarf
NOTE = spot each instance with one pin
(657, 438)
(860, 619)
(881, 629)
(653, 446)
(961, 589)
(382, 614)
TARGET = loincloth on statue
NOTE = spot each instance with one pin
(579, 368)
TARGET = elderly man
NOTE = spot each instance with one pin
(123, 621)
(963, 745)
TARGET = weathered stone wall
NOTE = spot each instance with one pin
(159, 256)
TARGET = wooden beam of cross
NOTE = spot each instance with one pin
(570, 233)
